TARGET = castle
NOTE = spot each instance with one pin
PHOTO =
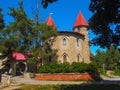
(72, 46)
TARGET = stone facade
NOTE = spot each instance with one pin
(72, 47)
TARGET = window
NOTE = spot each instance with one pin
(79, 29)
(64, 58)
(79, 58)
(77, 42)
(64, 41)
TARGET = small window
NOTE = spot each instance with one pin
(79, 58)
(64, 41)
(79, 29)
(77, 42)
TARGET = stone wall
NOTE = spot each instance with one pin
(5, 80)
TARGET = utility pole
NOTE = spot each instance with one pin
(37, 12)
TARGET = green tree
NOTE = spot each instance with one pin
(105, 22)
(112, 57)
(108, 59)
(99, 58)
(17, 36)
(1, 47)
(1, 20)
(1, 28)
(23, 35)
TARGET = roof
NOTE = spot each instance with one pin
(76, 33)
(17, 56)
(80, 21)
(50, 22)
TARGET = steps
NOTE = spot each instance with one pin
(3, 61)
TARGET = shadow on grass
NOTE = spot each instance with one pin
(99, 85)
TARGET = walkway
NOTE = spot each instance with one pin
(40, 82)
(18, 80)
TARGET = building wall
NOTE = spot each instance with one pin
(73, 49)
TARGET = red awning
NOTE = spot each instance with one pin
(17, 56)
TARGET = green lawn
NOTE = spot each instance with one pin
(71, 87)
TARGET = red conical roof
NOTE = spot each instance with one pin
(50, 22)
(80, 21)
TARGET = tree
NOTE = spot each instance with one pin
(110, 58)
(99, 58)
(18, 35)
(105, 22)
(1, 20)
(1, 27)
(23, 35)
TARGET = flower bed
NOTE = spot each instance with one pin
(64, 77)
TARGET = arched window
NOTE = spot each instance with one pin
(64, 41)
(64, 58)
(79, 58)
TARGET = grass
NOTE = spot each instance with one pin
(71, 87)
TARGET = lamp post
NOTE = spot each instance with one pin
(103, 68)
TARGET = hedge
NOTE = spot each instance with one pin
(75, 67)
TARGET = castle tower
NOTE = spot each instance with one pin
(81, 26)
(50, 22)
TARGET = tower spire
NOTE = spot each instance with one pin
(80, 21)
(50, 21)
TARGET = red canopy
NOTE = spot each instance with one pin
(17, 56)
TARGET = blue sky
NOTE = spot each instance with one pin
(64, 13)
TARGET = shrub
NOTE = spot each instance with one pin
(92, 68)
(78, 67)
(102, 71)
(49, 68)
(117, 72)
(75, 67)
(64, 67)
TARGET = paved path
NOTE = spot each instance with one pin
(41, 82)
